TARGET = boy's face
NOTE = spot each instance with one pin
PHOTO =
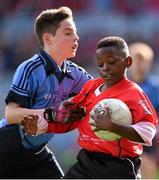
(111, 65)
(65, 42)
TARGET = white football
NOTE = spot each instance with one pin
(120, 114)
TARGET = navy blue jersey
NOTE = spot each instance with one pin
(39, 83)
(151, 88)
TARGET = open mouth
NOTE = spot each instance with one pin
(107, 76)
(74, 47)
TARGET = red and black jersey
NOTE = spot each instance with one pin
(125, 90)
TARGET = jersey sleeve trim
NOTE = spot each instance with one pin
(28, 69)
(19, 90)
(13, 97)
(146, 130)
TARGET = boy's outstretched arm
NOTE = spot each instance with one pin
(57, 122)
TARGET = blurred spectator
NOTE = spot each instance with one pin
(19, 15)
(143, 55)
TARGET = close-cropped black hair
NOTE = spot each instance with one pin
(116, 42)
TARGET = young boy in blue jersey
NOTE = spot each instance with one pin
(42, 81)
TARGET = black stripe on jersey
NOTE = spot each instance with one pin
(23, 101)
(90, 77)
(34, 67)
(71, 64)
(26, 69)
(19, 90)
(29, 71)
(72, 94)
(76, 66)
(25, 75)
(24, 72)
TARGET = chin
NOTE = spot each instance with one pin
(72, 55)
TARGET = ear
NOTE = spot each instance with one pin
(129, 61)
(47, 38)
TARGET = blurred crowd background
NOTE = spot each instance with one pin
(133, 20)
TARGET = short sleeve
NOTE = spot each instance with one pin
(22, 85)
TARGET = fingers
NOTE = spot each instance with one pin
(42, 126)
(107, 108)
(100, 110)
(29, 123)
(30, 132)
(31, 118)
(68, 104)
(93, 115)
(79, 111)
(22, 122)
(92, 122)
(77, 114)
(93, 125)
(95, 128)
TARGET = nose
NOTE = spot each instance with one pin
(106, 67)
(76, 37)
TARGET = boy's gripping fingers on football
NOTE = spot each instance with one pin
(29, 124)
(101, 121)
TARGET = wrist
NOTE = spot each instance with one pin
(113, 128)
(42, 126)
(49, 114)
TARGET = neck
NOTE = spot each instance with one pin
(56, 57)
(108, 83)
(104, 87)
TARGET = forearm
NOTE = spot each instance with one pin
(63, 120)
(54, 127)
(127, 132)
(14, 113)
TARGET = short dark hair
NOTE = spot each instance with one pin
(49, 20)
(114, 41)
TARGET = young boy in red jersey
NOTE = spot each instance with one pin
(119, 159)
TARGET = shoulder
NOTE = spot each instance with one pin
(32, 63)
(93, 83)
(131, 85)
(29, 73)
(73, 65)
(130, 88)
(35, 63)
(75, 69)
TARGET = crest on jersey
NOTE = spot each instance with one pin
(145, 106)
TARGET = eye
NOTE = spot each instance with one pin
(68, 33)
(112, 63)
(100, 65)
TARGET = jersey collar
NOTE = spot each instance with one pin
(52, 68)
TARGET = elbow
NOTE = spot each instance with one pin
(8, 116)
